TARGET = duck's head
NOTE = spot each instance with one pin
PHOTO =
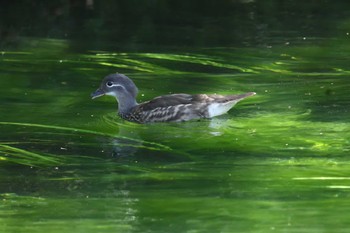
(121, 87)
(117, 85)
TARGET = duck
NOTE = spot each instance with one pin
(166, 108)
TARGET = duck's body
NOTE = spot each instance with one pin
(167, 108)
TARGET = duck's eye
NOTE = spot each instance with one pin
(109, 84)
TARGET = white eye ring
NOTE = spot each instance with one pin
(109, 84)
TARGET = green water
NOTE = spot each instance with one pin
(277, 162)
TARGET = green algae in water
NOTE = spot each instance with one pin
(278, 161)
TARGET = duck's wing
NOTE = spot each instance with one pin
(166, 101)
(176, 107)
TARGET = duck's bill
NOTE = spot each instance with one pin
(97, 94)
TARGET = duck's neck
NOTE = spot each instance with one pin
(125, 102)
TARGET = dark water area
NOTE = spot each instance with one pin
(139, 25)
(276, 162)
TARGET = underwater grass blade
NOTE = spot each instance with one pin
(26, 157)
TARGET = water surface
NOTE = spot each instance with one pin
(276, 162)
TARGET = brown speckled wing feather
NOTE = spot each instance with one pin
(176, 107)
(166, 101)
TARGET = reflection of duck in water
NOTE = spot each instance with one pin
(167, 108)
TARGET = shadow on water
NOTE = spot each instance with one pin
(59, 143)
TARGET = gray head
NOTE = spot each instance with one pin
(114, 83)
(119, 86)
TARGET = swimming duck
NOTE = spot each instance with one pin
(166, 108)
